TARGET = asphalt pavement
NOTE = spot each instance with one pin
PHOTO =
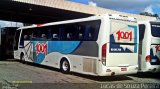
(14, 72)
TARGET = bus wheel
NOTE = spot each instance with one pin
(65, 66)
(22, 58)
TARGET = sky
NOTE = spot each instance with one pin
(129, 6)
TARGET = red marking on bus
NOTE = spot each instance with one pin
(157, 48)
(41, 48)
(38, 25)
(123, 69)
(124, 35)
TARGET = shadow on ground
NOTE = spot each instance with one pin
(95, 78)
(104, 78)
(147, 75)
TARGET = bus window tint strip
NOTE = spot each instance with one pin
(155, 29)
(80, 31)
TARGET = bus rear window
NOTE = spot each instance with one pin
(155, 29)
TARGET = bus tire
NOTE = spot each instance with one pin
(22, 59)
(64, 66)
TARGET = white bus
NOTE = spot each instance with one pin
(149, 46)
(102, 45)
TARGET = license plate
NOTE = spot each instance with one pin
(123, 69)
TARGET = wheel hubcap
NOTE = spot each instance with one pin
(23, 58)
(65, 66)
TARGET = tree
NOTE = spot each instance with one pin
(156, 15)
(146, 14)
(149, 14)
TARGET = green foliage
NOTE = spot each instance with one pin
(149, 14)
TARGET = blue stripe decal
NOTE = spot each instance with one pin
(64, 47)
(42, 48)
(115, 48)
(135, 35)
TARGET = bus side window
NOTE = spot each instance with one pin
(55, 36)
(70, 31)
(62, 32)
(27, 34)
(141, 31)
(22, 39)
(81, 30)
(80, 36)
(49, 34)
(33, 37)
(88, 31)
(26, 37)
(87, 34)
(53, 33)
(43, 36)
(69, 36)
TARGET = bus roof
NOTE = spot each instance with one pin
(96, 17)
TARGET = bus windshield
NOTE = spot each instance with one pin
(155, 29)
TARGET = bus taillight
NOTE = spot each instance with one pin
(104, 47)
(148, 58)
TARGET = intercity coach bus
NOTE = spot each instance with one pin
(149, 46)
(101, 45)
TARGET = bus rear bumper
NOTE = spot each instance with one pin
(111, 71)
(154, 68)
